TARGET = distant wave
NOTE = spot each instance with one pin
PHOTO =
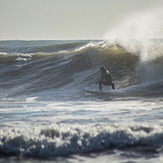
(39, 46)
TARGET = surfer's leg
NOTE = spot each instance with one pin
(112, 85)
(109, 83)
(100, 86)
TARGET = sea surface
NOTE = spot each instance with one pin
(47, 116)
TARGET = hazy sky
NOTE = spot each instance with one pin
(67, 19)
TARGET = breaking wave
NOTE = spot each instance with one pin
(64, 140)
(75, 65)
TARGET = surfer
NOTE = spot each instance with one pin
(106, 78)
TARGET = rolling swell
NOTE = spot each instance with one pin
(39, 46)
(66, 65)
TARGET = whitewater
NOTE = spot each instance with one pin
(46, 116)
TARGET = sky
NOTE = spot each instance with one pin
(69, 19)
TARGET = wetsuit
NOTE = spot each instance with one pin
(106, 78)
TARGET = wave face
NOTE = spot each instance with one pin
(35, 66)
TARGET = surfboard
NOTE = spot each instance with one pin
(94, 92)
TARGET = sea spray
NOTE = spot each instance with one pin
(139, 34)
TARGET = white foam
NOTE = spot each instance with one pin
(65, 140)
(31, 99)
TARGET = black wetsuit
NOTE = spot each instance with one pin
(106, 79)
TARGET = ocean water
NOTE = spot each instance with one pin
(46, 116)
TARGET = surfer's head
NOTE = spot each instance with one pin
(102, 69)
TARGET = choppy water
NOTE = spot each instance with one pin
(46, 115)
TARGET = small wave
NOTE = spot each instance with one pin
(65, 141)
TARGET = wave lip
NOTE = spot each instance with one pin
(65, 141)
